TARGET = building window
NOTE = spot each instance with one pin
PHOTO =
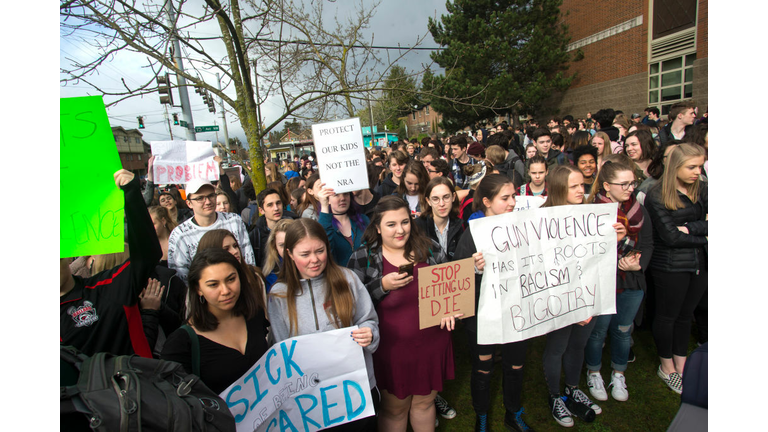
(427, 108)
(125, 138)
(138, 156)
(130, 157)
(414, 115)
(137, 140)
(670, 81)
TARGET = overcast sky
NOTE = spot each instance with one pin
(395, 22)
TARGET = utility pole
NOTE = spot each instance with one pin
(170, 131)
(370, 110)
(224, 123)
(186, 110)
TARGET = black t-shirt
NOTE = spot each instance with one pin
(220, 365)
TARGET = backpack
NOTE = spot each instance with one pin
(132, 393)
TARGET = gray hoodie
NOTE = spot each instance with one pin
(311, 314)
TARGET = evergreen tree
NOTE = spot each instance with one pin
(502, 53)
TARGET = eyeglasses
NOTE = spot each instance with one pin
(625, 186)
(200, 199)
(438, 200)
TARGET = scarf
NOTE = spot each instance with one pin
(630, 215)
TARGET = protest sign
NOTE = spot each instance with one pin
(304, 383)
(91, 207)
(446, 290)
(341, 155)
(545, 268)
(527, 202)
(178, 162)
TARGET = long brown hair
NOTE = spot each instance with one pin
(416, 168)
(274, 174)
(557, 184)
(247, 304)
(214, 239)
(681, 154)
(272, 260)
(417, 248)
(310, 200)
(337, 290)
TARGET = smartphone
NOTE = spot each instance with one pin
(405, 268)
(631, 253)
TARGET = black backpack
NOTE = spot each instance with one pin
(133, 393)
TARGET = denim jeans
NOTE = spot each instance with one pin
(619, 326)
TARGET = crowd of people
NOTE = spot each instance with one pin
(241, 269)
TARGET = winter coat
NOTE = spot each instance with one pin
(675, 251)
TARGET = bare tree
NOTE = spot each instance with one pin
(315, 65)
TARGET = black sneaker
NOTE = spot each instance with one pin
(580, 405)
(481, 423)
(632, 357)
(443, 408)
(515, 422)
(559, 412)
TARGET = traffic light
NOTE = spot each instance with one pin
(175, 119)
(234, 151)
(164, 88)
(141, 122)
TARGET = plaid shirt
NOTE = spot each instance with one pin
(368, 264)
(461, 180)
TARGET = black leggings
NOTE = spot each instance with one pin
(565, 347)
(677, 295)
(512, 354)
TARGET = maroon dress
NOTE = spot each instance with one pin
(409, 361)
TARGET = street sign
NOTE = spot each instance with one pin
(182, 123)
(206, 128)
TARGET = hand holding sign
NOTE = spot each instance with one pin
(446, 292)
(363, 336)
(450, 322)
(479, 261)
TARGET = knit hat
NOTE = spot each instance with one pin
(635, 115)
(476, 149)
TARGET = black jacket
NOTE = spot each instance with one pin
(675, 251)
(455, 229)
(387, 187)
(101, 313)
(665, 133)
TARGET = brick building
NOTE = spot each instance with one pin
(423, 120)
(636, 55)
(133, 150)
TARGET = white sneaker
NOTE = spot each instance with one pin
(597, 386)
(618, 387)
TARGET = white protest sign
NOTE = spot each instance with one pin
(545, 269)
(304, 383)
(178, 162)
(341, 155)
(527, 202)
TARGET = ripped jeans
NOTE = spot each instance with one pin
(619, 325)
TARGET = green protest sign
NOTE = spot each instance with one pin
(91, 209)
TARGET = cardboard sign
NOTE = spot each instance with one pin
(91, 211)
(527, 202)
(341, 155)
(304, 383)
(545, 269)
(178, 162)
(446, 290)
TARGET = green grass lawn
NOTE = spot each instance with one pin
(651, 405)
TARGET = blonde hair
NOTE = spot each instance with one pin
(272, 260)
(680, 155)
